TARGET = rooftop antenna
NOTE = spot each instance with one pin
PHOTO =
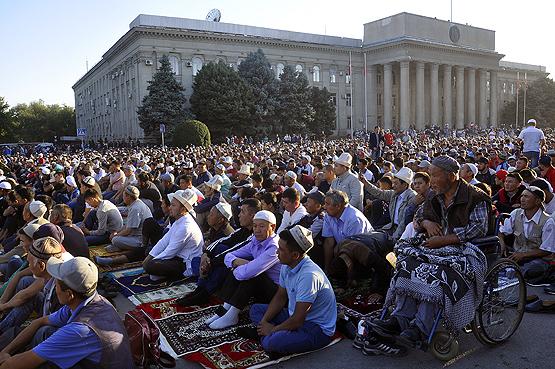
(451, 11)
(87, 63)
(214, 15)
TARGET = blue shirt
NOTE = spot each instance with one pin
(72, 342)
(263, 258)
(306, 282)
(352, 221)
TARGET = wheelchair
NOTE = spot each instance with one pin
(500, 312)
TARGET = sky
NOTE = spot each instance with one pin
(47, 43)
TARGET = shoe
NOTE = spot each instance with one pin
(360, 341)
(111, 248)
(198, 297)
(249, 333)
(386, 328)
(378, 346)
(550, 290)
(412, 334)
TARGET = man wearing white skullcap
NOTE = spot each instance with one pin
(254, 271)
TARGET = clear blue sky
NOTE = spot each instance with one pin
(45, 43)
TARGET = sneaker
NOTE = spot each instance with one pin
(550, 290)
(386, 328)
(111, 248)
(377, 346)
(359, 341)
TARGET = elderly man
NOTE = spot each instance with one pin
(301, 316)
(172, 255)
(108, 218)
(445, 269)
(534, 235)
(212, 196)
(168, 183)
(85, 332)
(293, 211)
(347, 181)
(398, 199)
(468, 172)
(218, 222)
(212, 268)
(290, 181)
(254, 272)
(341, 220)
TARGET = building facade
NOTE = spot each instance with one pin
(408, 70)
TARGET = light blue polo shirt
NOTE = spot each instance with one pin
(352, 221)
(306, 282)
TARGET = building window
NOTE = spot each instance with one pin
(333, 73)
(279, 69)
(349, 123)
(504, 87)
(197, 65)
(299, 68)
(379, 102)
(174, 62)
(379, 79)
(316, 74)
(348, 99)
(348, 76)
(333, 99)
(512, 88)
(393, 79)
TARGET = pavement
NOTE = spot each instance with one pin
(531, 347)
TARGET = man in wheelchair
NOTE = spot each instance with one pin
(440, 268)
(527, 236)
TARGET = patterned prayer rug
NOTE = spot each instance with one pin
(140, 283)
(168, 293)
(100, 251)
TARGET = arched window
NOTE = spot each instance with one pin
(197, 65)
(299, 68)
(333, 72)
(174, 62)
(316, 73)
(279, 69)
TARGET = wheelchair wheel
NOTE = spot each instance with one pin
(500, 312)
(444, 346)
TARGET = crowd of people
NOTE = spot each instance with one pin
(272, 223)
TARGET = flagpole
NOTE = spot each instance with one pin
(517, 88)
(524, 104)
(352, 97)
(365, 97)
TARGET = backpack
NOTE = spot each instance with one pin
(144, 338)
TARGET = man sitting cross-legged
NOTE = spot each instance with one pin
(255, 272)
(212, 268)
(301, 316)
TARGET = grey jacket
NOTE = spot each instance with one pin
(349, 183)
(391, 197)
(109, 219)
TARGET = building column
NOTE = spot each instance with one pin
(483, 98)
(405, 96)
(372, 96)
(434, 94)
(420, 109)
(387, 95)
(493, 98)
(447, 108)
(471, 103)
(460, 97)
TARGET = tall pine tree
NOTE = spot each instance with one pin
(324, 111)
(261, 79)
(295, 112)
(222, 101)
(165, 102)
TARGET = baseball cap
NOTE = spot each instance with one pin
(80, 274)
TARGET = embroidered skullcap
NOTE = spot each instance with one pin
(303, 237)
(446, 163)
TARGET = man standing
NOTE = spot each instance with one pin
(532, 140)
(308, 322)
(347, 181)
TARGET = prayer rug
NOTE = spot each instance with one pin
(100, 251)
(168, 293)
(140, 283)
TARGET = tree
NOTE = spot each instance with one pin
(261, 79)
(47, 120)
(7, 123)
(191, 132)
(540, 104)
(164, 103)
(324, 111)
(294, 112)
(222, 100)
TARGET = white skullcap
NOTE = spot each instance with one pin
(225, 209)
(303, 237)
(37, 208)
(291, 174)
(71, 181)
(265, 215)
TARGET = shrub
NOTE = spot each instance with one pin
(191, 132)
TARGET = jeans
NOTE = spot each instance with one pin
(20, 313)
(11, 266)
(95, 240)
(308, 337)
(533, 156)
(408, 309)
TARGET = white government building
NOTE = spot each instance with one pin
(408, 70)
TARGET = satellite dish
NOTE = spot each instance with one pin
(214, 15)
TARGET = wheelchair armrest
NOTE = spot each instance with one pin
(485, 240)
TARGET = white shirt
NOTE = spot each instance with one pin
(550, 206)
(297, 186)
(531, 137)
(184, 239)
(368, 175)
(290, 219)
(548, 233)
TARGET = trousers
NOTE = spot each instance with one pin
(168, 268)
(308, 337)
(238, 293)
(409, 310)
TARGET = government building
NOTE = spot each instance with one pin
(408, 70)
